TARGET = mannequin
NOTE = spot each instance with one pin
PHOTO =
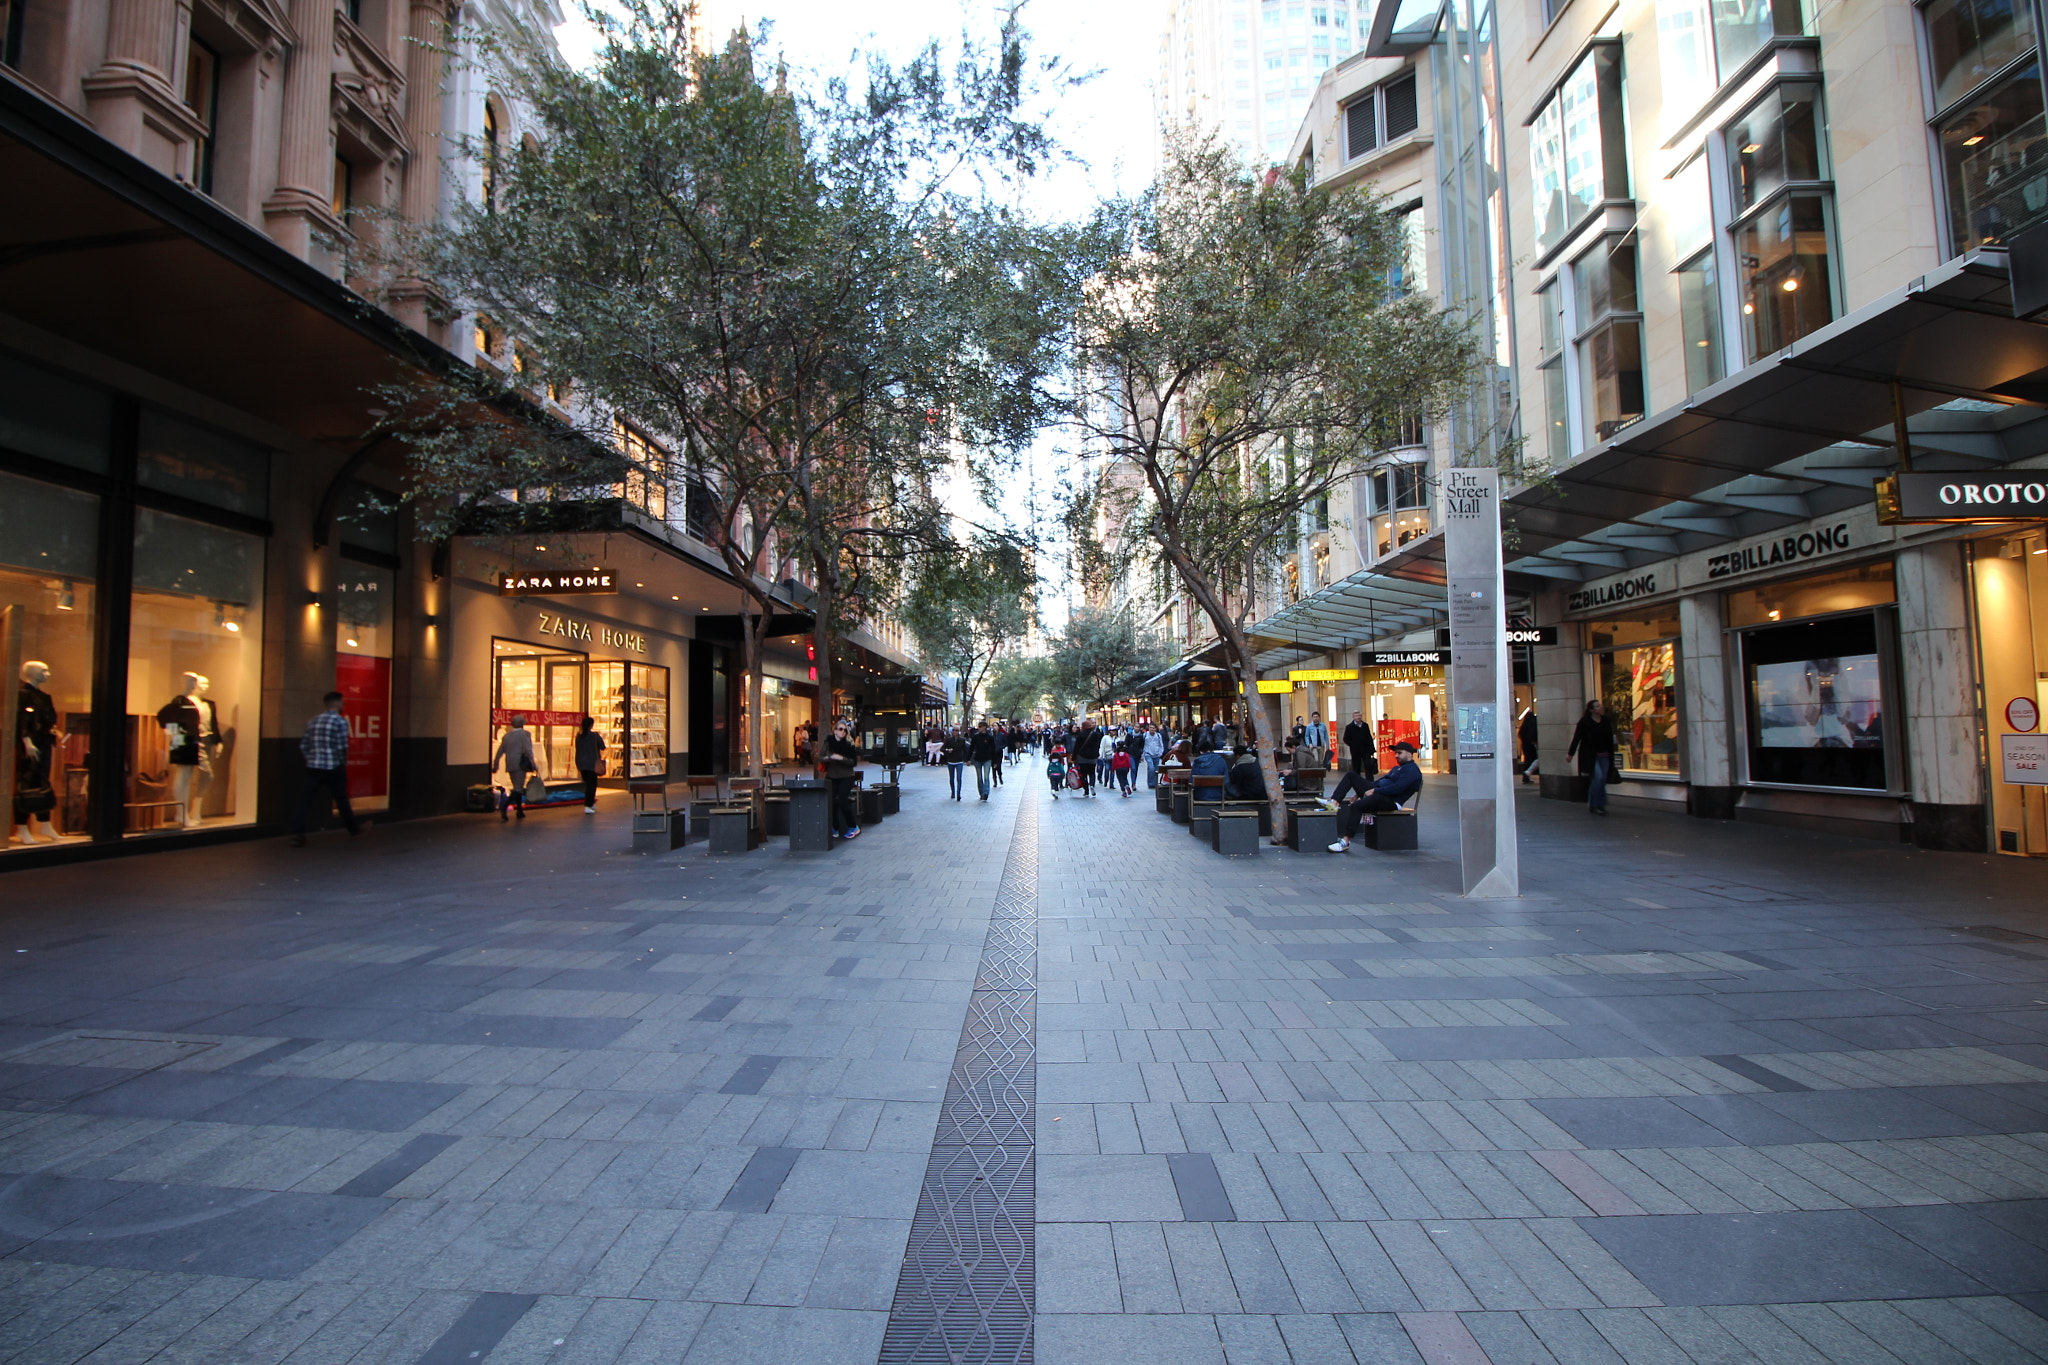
(193, 730)
(35, 718)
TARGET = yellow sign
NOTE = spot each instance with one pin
(1302, 675)
(1274, 685)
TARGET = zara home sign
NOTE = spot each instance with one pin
(559, 583)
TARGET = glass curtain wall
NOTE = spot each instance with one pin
(1986, 76)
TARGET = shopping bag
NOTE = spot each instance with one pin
(536, 790)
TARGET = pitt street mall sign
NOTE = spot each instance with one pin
(559, 583)
(2007, 495)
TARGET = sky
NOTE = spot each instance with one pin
(1106, 123)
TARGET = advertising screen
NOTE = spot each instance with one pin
(1817, 702)
(1820, 704)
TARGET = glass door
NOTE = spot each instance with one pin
(2010, 579)
(548, 687)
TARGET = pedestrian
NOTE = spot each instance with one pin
(996, 755)
(1401, 782)
(1358, 744)
(933, 743)
(515, 755)
(1155, 754)
(842, 760)
(324, 747)
(1319, 740)
(1056, 770)
(589, 762)
(1105, 759)
(981, 751)
(1593, 742)
(1527, 733)
(953, 753)
(1086, 754)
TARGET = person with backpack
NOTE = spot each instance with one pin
(1056, 769)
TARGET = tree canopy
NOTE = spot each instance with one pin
(963, 607)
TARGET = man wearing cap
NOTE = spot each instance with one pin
(1402, 781)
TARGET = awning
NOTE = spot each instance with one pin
(1797, 435)
(1366, 606)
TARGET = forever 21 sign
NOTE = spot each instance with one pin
(2010, 495)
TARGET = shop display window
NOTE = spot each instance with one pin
(48, 539)
(1635, 673)
(1816, 697)
(629, 703)
(195, 652)
(364, 612)
(2009, 590)
(549, 688)
(1865, 585)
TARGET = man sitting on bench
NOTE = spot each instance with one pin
(1402, 781)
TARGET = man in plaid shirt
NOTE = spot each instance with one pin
(324, 746)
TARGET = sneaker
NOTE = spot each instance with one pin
(590, 810)
(1340, 846)
(853, 834)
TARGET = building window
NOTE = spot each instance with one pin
(1400, 505)
(1557, 424)
(12, 15)
(646, 483)
(1578, 153)
(202, 97)
(1380, 115)
(494, 135)
(1777, 162)
(1411, 265)
(1609, 342)
(1987, 97)
(1701, 43)
(1635, 675)
(1699, 310)
(344, 188)
(1970, 42)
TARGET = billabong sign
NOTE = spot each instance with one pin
(1380, 658)
(558, 583)
(1532, 635)
(1789, 548)
(1613, 592)
(1978, 496)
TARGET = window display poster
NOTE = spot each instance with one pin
(1820, 704)
(364, 682)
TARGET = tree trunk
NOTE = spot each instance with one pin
(821, 645)
(753, 651)
(1255, 705)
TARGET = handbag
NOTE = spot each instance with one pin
(536, 790)
(598, 771)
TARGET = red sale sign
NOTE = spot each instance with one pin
(365, 686)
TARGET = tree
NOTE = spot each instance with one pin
(965, 604)
(794, 293)
(1017, 687)
(1243, 356)
(1103, 652)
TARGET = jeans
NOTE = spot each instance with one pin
(1124, 778)
(589, 786)
(981, 766)
(953, 778)
(995, 771)
(1102, 772)
(1151, 771)
(1352, 781)
(1596, 795)
(322, 783)
(845, 806)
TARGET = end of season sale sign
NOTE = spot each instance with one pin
(365, 686)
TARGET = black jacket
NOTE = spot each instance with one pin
(1592, 738)
(982, 747)
(1246, 780)
(952, 749)
(841, 758)
(1088, 745)
(1358, 739)
(1527, 734)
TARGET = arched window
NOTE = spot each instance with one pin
(494, 134)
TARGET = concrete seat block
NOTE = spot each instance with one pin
(1235, 833)
(1391, 832)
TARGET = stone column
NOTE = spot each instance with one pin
(424, 63)
(1705, 708)
(1938, 711)
(305, 158)
(1560, 679)
(132, 97)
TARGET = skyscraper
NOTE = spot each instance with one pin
(1245, 69)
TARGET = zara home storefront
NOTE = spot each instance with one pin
(1826, 675)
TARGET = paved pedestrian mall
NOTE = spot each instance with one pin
(469, 1091)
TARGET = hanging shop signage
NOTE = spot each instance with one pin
(1786, 549)
(2022, 713)
(552, 623)
(1382, 658)
(1320, 675)
(563, 583)
(1614, 591)
(1977, 496)
(1517, 635)
(1269, 686)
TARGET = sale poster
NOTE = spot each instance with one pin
(365, 686)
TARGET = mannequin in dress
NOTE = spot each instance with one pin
(35, 718)
(193, 731)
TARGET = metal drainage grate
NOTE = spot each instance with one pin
(968, 1284)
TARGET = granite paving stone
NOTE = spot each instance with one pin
(1705, 1092)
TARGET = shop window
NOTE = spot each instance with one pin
(205, 466)
(1816, 698)
(1994, 156)
(1701, 43)
(1635, 673)
(364, 616)
(629, 703)
(548, 688)
(1609, 344)
(48, 543)
(1578, 153)
(54, 418)
(2009, 582)
(1786, 278)
(195, 651)
(1865, 585)
(202, 97)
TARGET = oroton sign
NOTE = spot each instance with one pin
(1982, 496)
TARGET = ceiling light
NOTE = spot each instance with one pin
(1752, 149)
(1791, 283)
(353, 645)
(1973, 141)
(540, 547)
(67, 597)
(1748, 308)
(673, 598)
(1703, 343)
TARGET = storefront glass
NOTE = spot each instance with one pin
(1815, 693)
(548, 687)
(363, 612)
(1407, 701)
(48, 536)
(629, 702)
(1865, 585)
(195, 655)
(2009, 580)
(1635, 674)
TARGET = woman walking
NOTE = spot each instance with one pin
(1593, 742)
(515, 755)
(589, 762)
(953, 753)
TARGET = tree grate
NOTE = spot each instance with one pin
(966, 1293)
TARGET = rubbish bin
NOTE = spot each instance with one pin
(892, 797)
(810, 817)
(870, 805)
